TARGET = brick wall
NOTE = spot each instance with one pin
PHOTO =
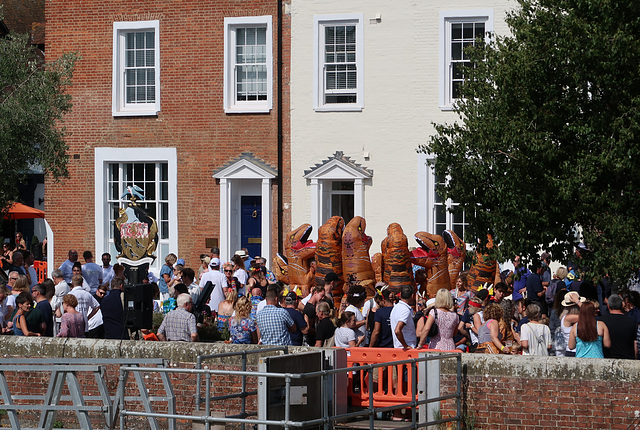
(499, 391)
(192, 118)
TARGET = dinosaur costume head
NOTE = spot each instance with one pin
(354, 238)
(431, 248)
(298, 239)
(280, 269)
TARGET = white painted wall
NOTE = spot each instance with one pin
(401, 100)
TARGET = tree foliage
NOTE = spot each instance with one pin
(547, 144)
(32, 105)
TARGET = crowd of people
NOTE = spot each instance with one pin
(531, 312)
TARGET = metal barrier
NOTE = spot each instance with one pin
(244, 394)
(370, 410)
(41, 270)
(65, 372)
(387, 389)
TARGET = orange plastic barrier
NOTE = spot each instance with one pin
(41, 269)
(389, 388)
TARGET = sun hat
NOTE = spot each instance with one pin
(571, 297)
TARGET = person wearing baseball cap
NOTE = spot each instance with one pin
(291, 306)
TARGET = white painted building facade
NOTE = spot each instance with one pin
(368, 79)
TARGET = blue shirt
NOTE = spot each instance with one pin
(520, 283)
(298, 318)
(162, 284)
(274, 324)
(383, 316)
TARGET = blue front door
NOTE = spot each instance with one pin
(251, 224)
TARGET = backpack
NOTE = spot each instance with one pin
(551, 291)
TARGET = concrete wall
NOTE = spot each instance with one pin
(499, 391)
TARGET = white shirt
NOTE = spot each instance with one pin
(218, 279)
(402, 312)
(362, 330)
(107, 274)
(539, 338)
(92, 273)
(242, 276)
(85, 302)
(261, 306)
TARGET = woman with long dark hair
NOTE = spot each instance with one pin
(589, 335)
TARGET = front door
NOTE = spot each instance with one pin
(251, 224)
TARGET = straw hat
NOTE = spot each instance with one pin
(571, 298)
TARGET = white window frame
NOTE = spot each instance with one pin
(231, 105)
(119, 105)
(426, 199)
(319, 22)
(446, 18)
(104, 156)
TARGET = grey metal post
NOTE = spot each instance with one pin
(198, 382)
(287, 400)
(121, 383)
(207, 406)
(372, 415)
(433, 388)
(414, 392)
(459, 390)
(244, 387)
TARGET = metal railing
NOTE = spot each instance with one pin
(243, 394)
(327, 420)
(65, 372)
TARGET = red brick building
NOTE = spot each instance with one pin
(185, 100)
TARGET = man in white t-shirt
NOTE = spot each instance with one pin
(91, 272)
(88, 306)
(215, 276)
(404, 329)
(107, 270)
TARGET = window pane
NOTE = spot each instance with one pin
(164, 191)
(130, 44)
(151, 40)
(262, 36)
(139, 40)
(441, 215)
(456, 31)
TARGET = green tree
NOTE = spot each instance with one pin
(547, 141)
(32, 105)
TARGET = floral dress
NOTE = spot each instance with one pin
(240, 330)
(447, 323)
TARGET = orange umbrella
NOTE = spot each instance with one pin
(20, 211)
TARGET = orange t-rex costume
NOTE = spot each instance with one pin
(299, 252)
(484, 270)
(432, 255)
(396, 259)
(376, 264)
(457, 250)
(280, 268)
(329, 252)
(356, 263)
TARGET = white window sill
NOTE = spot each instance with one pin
(247, 109)
(446, 108)
(136, 113)
(338, 108)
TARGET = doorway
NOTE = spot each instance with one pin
(251, 224)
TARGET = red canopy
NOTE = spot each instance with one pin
(20, 211)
